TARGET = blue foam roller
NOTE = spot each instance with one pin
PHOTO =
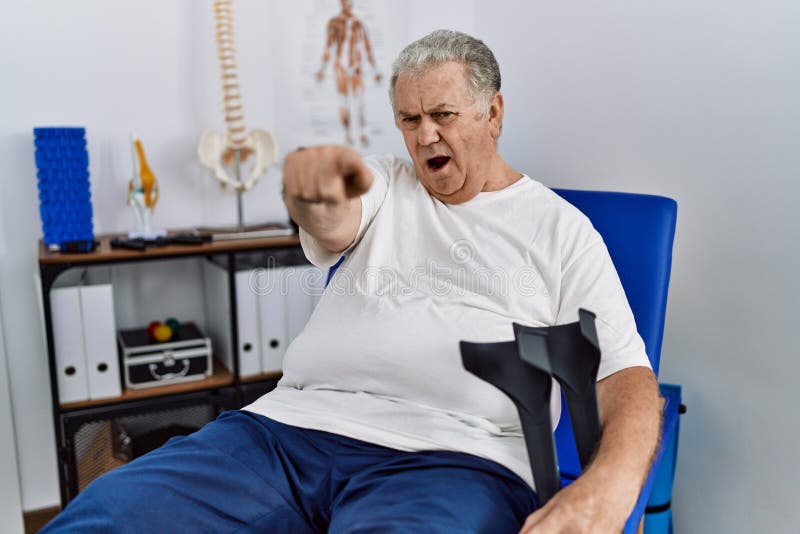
(63, 180)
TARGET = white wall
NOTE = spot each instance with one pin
(694, 100)
(697, 101)
(112, 67)
(10, 500)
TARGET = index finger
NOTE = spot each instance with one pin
(357, 176)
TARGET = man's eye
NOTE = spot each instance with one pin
(410, 122)
(444, 114)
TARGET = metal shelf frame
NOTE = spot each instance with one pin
(284, 251)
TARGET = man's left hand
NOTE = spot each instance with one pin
(587, 505)
(603, 496)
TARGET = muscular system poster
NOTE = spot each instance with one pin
(338, 101)
(344, 99)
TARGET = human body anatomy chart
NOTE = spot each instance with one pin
(332, 61)
(335, 74)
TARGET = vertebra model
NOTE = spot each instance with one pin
(216, 150)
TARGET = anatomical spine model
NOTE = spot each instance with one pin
(218, 151)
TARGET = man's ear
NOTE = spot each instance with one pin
(496, 114)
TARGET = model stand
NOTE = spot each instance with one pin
(225, 153)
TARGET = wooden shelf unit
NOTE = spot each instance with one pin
(104, 253)
(220, 377)
(223, 384)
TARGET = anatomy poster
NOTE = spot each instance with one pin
(333, 71)
(332, 65)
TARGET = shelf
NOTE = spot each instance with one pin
(220, 391)
(105, 254)
(220, 378)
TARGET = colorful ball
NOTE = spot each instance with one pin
(162, 333)
(173, 323)
(151, 328)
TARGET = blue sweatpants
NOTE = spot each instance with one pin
(247, 473)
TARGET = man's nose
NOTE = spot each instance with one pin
(428, 132)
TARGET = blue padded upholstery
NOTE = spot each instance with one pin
(638, 231)
(658, 518)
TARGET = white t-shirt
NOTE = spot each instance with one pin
(379, 359)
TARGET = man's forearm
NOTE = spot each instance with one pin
(334, 226)
(322, 188)
(630, 411)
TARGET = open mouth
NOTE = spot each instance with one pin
(438, 162)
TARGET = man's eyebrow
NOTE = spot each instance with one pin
(434, 109)
(439, 107)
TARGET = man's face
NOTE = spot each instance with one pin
(451, 146)
(347, 6)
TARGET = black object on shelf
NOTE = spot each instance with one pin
(128, 446)
(149, 363)
(177, 239)
(130, 244)
(83, 247)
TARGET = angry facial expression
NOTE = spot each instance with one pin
(452, 144)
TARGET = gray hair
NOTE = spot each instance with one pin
(443, 46)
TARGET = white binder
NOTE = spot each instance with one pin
(65, 310)
(273, 306)
(247, 313)
(100, 341)
(218, 315)
(272, 301)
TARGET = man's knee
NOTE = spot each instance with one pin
(104, 506)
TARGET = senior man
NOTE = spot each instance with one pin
(375, 425)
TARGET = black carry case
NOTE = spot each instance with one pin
(146, 364)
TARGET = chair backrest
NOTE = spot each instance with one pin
(638, 231)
